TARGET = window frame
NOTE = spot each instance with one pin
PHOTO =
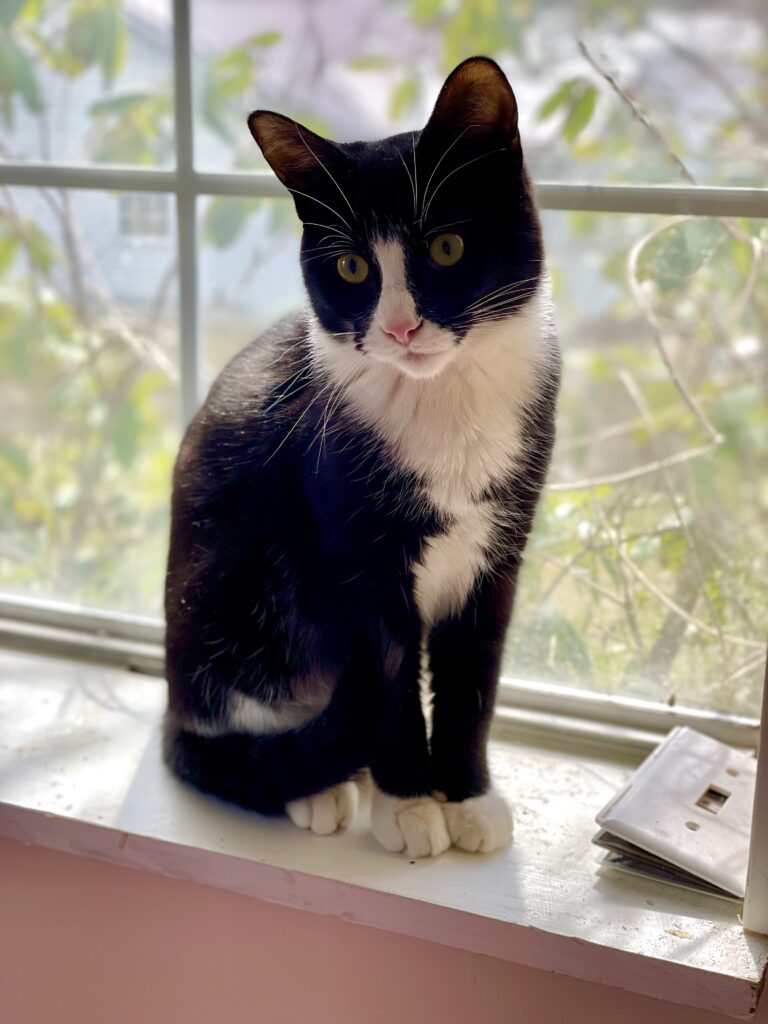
(136, 642)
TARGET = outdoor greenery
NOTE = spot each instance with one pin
(648, 570)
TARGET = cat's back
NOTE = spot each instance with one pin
(253, 391)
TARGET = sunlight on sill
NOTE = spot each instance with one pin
(80, 772)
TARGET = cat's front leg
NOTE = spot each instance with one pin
(405, 817)
(464, 658)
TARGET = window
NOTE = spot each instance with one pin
(646, 575)
(144, 216)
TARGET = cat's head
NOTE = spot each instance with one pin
(411, 242)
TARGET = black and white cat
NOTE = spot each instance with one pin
(352, 502)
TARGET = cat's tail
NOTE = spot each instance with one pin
(264, 772)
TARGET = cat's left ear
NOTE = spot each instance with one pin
(296, 155)
(476, 106)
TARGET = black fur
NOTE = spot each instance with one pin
(292, 555)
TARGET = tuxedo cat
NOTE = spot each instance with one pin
(351, 503)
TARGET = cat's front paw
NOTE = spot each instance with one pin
(327, 811)
(414, 825)
(480, 824)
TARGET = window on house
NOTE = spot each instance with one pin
(646, 575)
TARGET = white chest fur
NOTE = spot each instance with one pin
(451, 563)
(459, 433)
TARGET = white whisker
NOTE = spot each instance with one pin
(434, 169)
(314, 199)
(338, 186)
(501, 149)
(410, 179)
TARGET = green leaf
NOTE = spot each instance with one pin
(371, 63)
(225, 219)
(557, 99)
(265, 39)
(423, 11)
(125, 437)
(404, 96)
(16, 73)
(118, 104)
(674, 256)
(580, 113)
(39, 246)
(112, 42)
(9, 246)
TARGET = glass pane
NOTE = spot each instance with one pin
(87, 81)
(648, 572)
(89, 384)
(657, 80)
(249, 272)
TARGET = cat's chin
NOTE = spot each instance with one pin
(420, 365)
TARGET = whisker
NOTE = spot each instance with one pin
(314, 199)
(288, 388)
(501, 149)
(434, 169)
(410, 179)
(338, 186)
(329, 227)
(415, 175)
(450, 224)
(503, 288)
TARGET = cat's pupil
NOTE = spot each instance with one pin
(352, 264)
(446, 247)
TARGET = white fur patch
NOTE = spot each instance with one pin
(324, 813)
(462, 429)
(451, 563)
(480, 824)
(414, 825)
(395, 301)
(250, 715)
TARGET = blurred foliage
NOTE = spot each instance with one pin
(646, 572)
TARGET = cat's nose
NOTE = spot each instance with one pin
(402, 330)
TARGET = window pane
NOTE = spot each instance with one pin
(89, 385)
(648, 573)
(696, 72)
(249, 272)
(87, 82)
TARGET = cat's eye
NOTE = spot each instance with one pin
(445, 250)
(352, 268)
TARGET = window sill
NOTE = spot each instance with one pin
(82, 774)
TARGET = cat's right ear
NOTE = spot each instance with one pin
(298, 156)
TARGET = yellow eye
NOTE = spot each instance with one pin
(352, 268)
(445, 250)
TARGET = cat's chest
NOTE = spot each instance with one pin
(451, 563)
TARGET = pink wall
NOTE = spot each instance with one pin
(83, 942)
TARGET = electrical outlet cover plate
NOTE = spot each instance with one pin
(685, 815)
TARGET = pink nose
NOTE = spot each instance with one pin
(402, 330)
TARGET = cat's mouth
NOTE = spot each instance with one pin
(425, 358)
(421, 364)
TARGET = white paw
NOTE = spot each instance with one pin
(479, 824)
(325, 812)
(413, 824)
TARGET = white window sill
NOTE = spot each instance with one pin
(82, 774)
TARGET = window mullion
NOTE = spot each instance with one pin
(186, 212)
(755, 915)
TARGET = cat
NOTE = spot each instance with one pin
(351, 504)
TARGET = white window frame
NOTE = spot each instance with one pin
(135, 642)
